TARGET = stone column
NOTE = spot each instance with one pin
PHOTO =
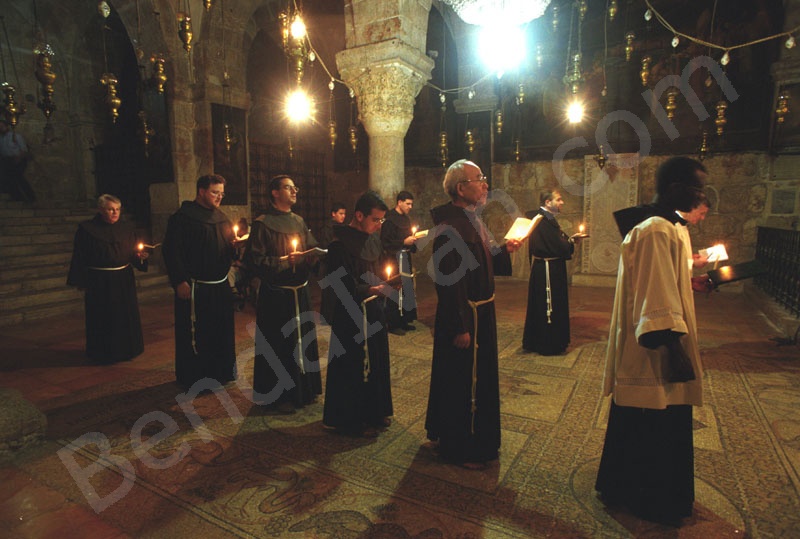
(386, 78)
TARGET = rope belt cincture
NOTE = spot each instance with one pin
(107, 269)
(300, 357)
(367, 368)
(474, 401)
(193, 314)
(547, 284)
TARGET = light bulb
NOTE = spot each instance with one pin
(675, 41)
(726, 58)
(442, 98)
(648, 15)
(789, 42)
(330, 85)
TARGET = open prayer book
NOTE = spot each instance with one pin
(715, 253)
(522, 228)
(420, 234)
(314, 250)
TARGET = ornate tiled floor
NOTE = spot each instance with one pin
(242, 473)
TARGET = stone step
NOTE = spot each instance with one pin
(65, 300)
(60, 237)
(33, 261)
(33, 272)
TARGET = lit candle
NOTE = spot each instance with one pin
(581, 228)
(140, 246)
(294, 245)
(236, 230)
(388, 272)
(413, 230)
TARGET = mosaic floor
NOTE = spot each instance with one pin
(236, 471)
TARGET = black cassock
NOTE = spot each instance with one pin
(281, 297)
(102, 257)
(465, 269)
(198, 249)
(355, 400)
(328, 301)
(393, 232)
(547, 335)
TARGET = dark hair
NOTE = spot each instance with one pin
(678, 186)
(204, 182)
(545, 196)
(338, 206)
(368, 201)
(275, 183)
(404, 195)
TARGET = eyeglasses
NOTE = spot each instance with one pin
(291, 188)
(377, 220)
(480, 178)
(217, 194)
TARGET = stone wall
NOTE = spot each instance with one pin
(746, 190)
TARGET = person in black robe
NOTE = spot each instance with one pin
(104, 252)
(398, 244)
(549, 248)
(198, 249)
(326, 236)
(283, 303)
(358, 391)
(463, 417)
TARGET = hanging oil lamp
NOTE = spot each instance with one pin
(600, 158)
(185, 30)
(498, 122)
(332, 136)
(46, 77)
(644, 74)
(443, 151)
(112, 99)
(469, 138)
(720, 120)
(290, 147)
(11, 111)
(702, 152)
(229, 137)
(146, 132)
(353, 133)
(517, 153)
(582, 9)
(159, 77)
(783, 108)
(629, 37)
(671, 106)
(555, 19)
(208, 4)
(521, 94)
(612, 10)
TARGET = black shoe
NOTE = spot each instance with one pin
(397, 331)
(409, 327)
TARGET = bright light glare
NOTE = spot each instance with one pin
(298, 28)
(299, 107)
(575, 112)
(501, 47)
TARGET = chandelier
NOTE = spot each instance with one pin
(482, 12)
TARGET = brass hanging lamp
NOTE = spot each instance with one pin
(332, 136)
(720, 121)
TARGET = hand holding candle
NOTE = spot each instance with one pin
(236, 231)
(294, 251)
(581, 228)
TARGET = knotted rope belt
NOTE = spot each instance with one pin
(474, 401)
(107, 269)
(300, 357)
(547, 284)
(367, 368)
(193, 315)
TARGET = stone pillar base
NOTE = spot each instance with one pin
(21, 423)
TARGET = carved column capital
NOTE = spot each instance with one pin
(386, 79)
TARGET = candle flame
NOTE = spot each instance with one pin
(580, 229)
(294, 244)
(140, 246)
(236, 230)
(388, 271)
(413, 230)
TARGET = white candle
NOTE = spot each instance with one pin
(294, 245)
